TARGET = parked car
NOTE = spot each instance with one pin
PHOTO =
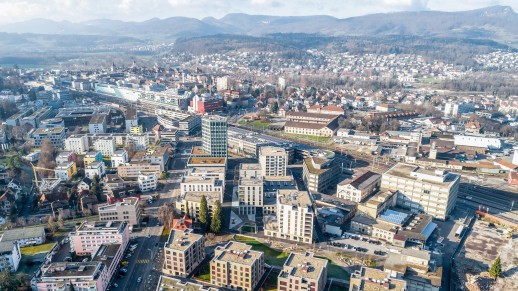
(139, 279)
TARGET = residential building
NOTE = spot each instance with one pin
(214, 136)
(65, 171)
(97, 124)
(236, 266)
(133, 169)
(416, 268)
(183, 252)
(157, 155)
(119, 157)
(422, 190)
(93, 156)
(303, 272)
(131, 118)
(10, 255)
(55, 135)
(174, 284)
(193, 200)
(294, 217)
(250, 193)
(105, 145)
(319, 173)
(202, 184)
(95, 169)
(26, 236)
(273, 160)
(77, 144)
(374, 279)
(65, 157)
(128, 210)
(147, 181)
(89, 236)
(358, 188)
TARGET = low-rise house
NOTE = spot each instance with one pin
(27, 236)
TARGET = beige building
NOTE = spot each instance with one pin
(183, 252)
(358, 188)
(236, 266)
(367, 279)
(422, 190)
(303, 272)
(294, 217)
(319, 173)
(128, 210)
(202, 184)
(250, 194)
(378, 203)
(311, 124)
(133, 169)
(193, 200)
(273, 161)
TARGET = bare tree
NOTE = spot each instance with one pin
(166, 214)
(47, 158)
(61, 222)
(51, 224)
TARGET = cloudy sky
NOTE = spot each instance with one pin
(138, 10)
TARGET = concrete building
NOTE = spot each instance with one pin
(202, 184)
(480, 141)
(128, 210)
(206, 104)
(95, 168)
(119, 157)
(105, 145)
(273, 160)
(358, 188)
(89, 236)
(65, 157)
(422, 190)
(416, 268)
(158, 156)
(98, 124)
(134, 169)
(27, 236)
(92, 156)
(193, 200)
(55, 135)
(374, 279)
(294, 217)
(131, 119)
(65, 171)
(214, 136)
(174, 284)
(183, 252)
(77, 144)
(319, 173)
(10, 255)
(250, 193)
(147, 181)
(236, 266)
(374, 205)
(303, 272)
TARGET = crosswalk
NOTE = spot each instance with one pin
(143, 261)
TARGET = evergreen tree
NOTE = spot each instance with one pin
(204, 211)
(275, 107)
(496, 268)
(187, 210)
(215, 225)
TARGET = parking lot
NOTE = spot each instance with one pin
(358, 244)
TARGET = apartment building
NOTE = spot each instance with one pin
(134, 169)
(147, 181)
(358, 188)
(250, 193)
(95, 169)
(193, 200)
(236, 266)
(156, 156)
(422, 190)
(119, 157)
(294, 217)
(303, 272)
(89, 236)
(27, 236)
(273, 161)
(374, 279)
(77, 144)
(202, 184)
(319, 173)
(65, 171)
(10, 256)
(214, 135)
(128, 210)
(65, 157)
(92, 156)
(55, 135)
(105, 145)
(183, 252)
(98, 124)
(131, 118)
(169, 284)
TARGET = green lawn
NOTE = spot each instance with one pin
(429, 81)
(320, 139)
(272, 257)
(335, 271)
(28, 251)
(271, 282)
(204, 273)
(256, 124)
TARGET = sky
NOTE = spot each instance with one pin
(140, 10)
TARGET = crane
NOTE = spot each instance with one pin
(34, 168)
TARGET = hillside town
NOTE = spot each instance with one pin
(248, 172)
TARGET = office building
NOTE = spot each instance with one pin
(77, 144)
(202, 184)
(303, 272)
(422, 190)
(98, 124)
(128, 210)
(374, 279)
(273, 160)
(105, 145)
(55, 135)
(358, 188)
(89, 236)
(131, 119)
(147, 181)
(206, 104)
(236, 266)
(157, 156)
(119, 157)
(319, 172)
(294, 217)
(183, 252)
(214, 136)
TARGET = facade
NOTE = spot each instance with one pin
(134, 169)
(66, 156)
(89, 236)
(65, 171)
(147, 181)
(303, 272)
(480, 141)
(158, 155)
(273, 160)
(183, 252)
(193, 200)
(421, 190)
(128, 210)
(10, 255)
(77, 144)
(374, 279)
(317, 124)
(27, 236)
(55, 135)
(358, 188)
(105, 145)
(119, 157)
(206, 104)
(97, 124)
(202, 184)
(131, 118)
(294, 217)
(236, 266)
(250, 191)
(95, 168)
(319, 173)
(214, 136)
(93, 156)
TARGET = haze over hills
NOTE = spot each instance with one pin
(499, 23)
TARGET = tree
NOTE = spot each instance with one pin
(163, 176)
(215, 225)
(61, 222)
(187, 210)
(496, 268)
(71, 287)
(166, 214)
(7, 280)
(47, 158)
(32, 95)
(51, 224)
(204, 211)
(275, 107)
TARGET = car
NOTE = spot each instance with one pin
(469, 197)
(149, 235)
(85, 260)
(68, 259)
(139, 279)
(115, 285)
(124, 270)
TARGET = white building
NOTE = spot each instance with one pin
(273, 160)
(477, 141)
(77, 144)
(95, 168)
(358, 188)
(119, 157)
(56, 136)
(105, 145)
(223, 83)
(27, 236)
(10, 256)
(147, 181)
(97, 124)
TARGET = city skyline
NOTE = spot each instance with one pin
(137, 10)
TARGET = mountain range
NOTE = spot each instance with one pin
(498, 23)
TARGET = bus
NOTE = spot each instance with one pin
(459, 231)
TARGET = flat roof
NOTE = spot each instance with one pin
(294, 197)
(207, 161)
(96, 119)
(236, 252)
(101, 225)
(23, 233)
(255, 166)
(304, 265)
(182, 239)
(72, 270)
(54, 130)
(211, 197)
(174, 284)
(272, 151)
(416, 173)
